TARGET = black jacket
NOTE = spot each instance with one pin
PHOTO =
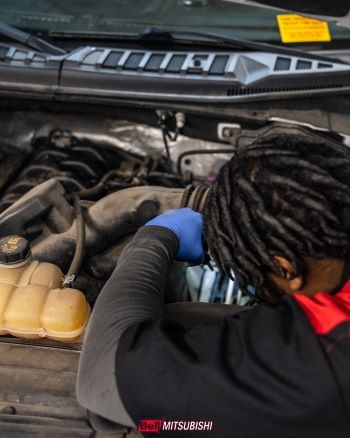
(276, 371)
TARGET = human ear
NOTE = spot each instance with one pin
(295, 283)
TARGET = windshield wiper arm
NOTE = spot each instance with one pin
(158, 35)
(29, 40)
(155, 34)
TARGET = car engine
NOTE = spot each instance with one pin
(120, 173)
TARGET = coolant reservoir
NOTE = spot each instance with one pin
(32, 302)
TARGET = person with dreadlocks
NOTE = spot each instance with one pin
(277, 217)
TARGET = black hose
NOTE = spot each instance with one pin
(79, 247)
(166, 146)
(100, 188)
(198, 198)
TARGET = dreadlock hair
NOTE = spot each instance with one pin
(285, 195)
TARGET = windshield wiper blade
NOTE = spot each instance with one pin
(163, 36)
(156, 34)
(29, 40)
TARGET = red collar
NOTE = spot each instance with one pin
(324, 311)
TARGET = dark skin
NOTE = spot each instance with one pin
(322, 276)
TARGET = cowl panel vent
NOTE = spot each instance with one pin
(324, 65)
(3, 53)
(175, 64)
(133, 61)
(219, 64)
(154, 62)
(282, 64)
(303, 65)
(245, 67)
(268, 90)
(112, 59)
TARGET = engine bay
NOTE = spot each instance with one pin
(123, 173)
(120, 172)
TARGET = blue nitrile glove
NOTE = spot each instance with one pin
(187, 224)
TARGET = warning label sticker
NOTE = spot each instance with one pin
(298, 29)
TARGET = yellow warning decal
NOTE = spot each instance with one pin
(298, 29)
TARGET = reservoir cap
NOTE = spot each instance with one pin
(14, 250)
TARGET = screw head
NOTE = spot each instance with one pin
(227, 132)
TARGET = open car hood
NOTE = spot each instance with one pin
(336, 10)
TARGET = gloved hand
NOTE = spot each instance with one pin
(187, 224)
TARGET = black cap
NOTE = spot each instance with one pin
(14, 249)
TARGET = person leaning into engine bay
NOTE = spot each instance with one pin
(278, 217)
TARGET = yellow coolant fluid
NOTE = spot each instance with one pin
(32, 302)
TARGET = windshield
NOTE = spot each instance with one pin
(119, 16)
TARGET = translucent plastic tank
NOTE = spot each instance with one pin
(32, 302)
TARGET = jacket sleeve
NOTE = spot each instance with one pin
(133, 294)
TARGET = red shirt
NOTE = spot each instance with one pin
(326, 312)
